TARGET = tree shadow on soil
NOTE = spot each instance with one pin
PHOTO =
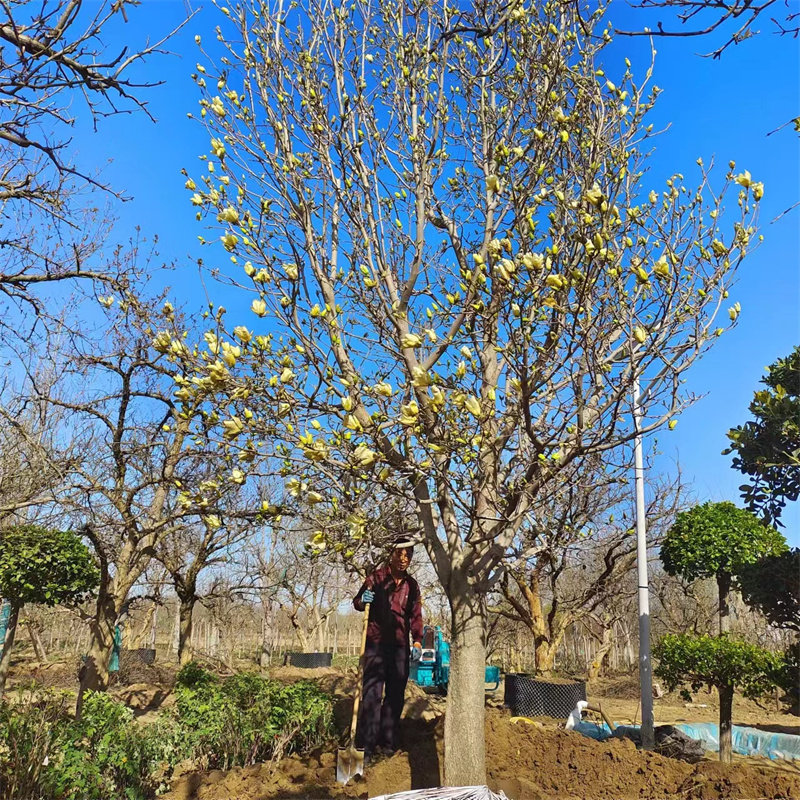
(419, 738)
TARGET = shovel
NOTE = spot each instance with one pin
(350, 760)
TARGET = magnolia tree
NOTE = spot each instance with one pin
(457, 269)
(144, 433)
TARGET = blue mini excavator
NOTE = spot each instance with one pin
(432, 670)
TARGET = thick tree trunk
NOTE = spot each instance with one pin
(725, 722)
(606, 644)
(8, 646)
(724, 588)
(464, 734)
(185, 623)
(94, 673)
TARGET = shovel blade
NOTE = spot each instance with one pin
(349, 764)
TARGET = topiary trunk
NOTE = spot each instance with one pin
(725, 723)
(8, 645)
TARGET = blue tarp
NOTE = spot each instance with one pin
(744, 741)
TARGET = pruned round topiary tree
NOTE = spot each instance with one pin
(717, 540)
(719, 661)
(39, 565)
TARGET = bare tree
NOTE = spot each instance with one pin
(573, 557)
(36, 451)
(443, 212)
(54, 63)
(704, 17)
(194, 548)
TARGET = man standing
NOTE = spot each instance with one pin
(395, 610)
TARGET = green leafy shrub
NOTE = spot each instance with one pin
(246, 719)
(720, 661)
(32, 730)
(45, 754)
(106, 755)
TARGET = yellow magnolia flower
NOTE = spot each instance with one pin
(672, 424)
(533, 260)
(242, 334)
(411, 340)
(409, 413)
(661, 268)
(287, 376)
(733, 311)
(232, 427)
(555, 281)
(594, 196)
(473, 406)
(291, 271)
(294, 487)
(640, 334)
(259, 307)
(213, 521)
(758, 190)
(718, 247)
(313, 498)
(217, 107)
(744, 179)
(218, 148)
(229, 241)
(383, 388)
(237, 476)
(364, 456)
(352, 423)
(347, 403)
(437, 398)
(420, 378)
(228, 214)
(493, 183)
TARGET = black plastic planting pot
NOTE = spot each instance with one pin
(528, 696)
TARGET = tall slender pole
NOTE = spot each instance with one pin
(645, 660)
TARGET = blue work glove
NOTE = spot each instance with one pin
(368, 596)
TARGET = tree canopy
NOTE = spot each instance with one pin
(767, 448)
(39, 565)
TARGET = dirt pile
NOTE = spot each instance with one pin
(525, 762)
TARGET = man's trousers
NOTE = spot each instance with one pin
(385, 677)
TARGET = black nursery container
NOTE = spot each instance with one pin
(308, 660)
(530, 697)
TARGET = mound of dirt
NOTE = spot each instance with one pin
(525, 762)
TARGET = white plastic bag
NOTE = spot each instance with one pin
(446, 793)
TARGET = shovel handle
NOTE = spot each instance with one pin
(360, 682)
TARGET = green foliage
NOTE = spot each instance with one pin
(106, 755)
(720, 661)
(32, 731)
(772, 586)
(768, 447)
(45, 754)
(246, 719)
(717, 538)
(38, 565)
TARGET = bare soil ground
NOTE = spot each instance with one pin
(527, 762)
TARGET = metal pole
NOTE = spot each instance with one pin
(645, 660)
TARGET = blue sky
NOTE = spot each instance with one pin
(721, 109)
